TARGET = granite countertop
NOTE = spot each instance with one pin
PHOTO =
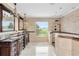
(70, 35)
(9, 39)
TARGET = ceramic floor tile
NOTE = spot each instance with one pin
(38, 49)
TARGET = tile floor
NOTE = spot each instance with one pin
(38, 49)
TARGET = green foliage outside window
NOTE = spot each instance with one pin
(41, 30)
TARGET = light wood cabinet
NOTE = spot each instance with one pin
(67, 45)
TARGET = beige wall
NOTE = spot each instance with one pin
(70, 22)
(30, 25)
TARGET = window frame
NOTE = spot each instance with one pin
(2, 7)
(37, 30)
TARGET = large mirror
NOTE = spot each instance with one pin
(7, 21)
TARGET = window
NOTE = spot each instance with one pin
(42, 29)
(7, 21)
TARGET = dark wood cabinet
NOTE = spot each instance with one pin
(12, 46)
(25, 38)
(5, 48)
(18, 48)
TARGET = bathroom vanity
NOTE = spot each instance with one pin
(12, 45)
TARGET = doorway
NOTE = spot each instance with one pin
(42, 31)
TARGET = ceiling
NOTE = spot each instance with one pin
(45, 9)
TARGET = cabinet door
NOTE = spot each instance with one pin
(5, 51)
(0, 50)
(18, 47)
(63, 46)
(75, 47)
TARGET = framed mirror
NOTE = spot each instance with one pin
(8, 22)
